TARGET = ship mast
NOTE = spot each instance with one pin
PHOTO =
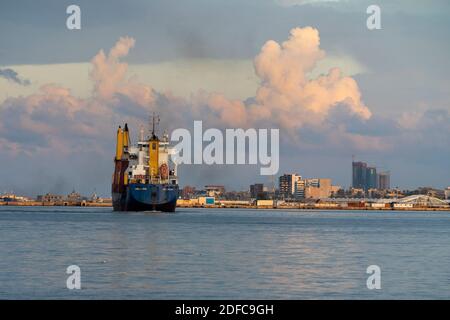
(154, 118)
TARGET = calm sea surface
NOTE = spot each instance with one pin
(223, 254)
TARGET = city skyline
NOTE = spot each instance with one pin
(64, 92)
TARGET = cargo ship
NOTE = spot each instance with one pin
(145, 175)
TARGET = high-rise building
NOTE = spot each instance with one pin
(359, 175)
(287, 185)
(384, 180)
(300, 186)
(367, 178)
(371, 178)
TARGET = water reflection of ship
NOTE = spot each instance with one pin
(145, 177)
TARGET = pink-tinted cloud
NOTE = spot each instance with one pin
(288, 97)
(54, 119)
(110, 75)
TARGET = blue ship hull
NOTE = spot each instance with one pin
(146, 197)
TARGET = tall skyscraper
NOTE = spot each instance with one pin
(365, 177)
(384, 180)
(371, 178)
(359, 175)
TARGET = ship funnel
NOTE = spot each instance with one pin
(153, 160)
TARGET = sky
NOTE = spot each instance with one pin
(310, 68)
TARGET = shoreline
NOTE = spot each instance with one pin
(301, 207)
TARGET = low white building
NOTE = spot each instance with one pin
(403, 205)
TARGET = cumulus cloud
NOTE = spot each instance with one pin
(49, 119)
(287, 95)
(55, 120)
(286, 98)
(13, 76)
(109, 75)
(108, 72)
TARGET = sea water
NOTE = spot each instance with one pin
(223, 254)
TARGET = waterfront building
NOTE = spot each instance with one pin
(206, 200)
(257, 190)
(188, 192)
(50, 197)
(236, 196)
(11, 197)
(316, 188)
(447, 193)
(214, 190)
(265, 204)
(74, 197)
(300, 186)
(287, 184)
